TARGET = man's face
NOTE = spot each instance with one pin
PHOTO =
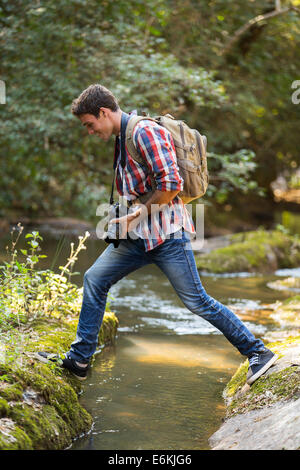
(101, 126)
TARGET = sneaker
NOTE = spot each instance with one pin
(79, 371)
(259, 363)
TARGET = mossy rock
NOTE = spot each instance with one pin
(287, 312)
(290, 283)
(54, 417)
(281, 382)
(255, 251)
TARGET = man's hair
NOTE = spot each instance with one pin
(92, 99)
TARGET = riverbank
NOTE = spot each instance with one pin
(267, 414)
(255, 251)
(54, 297)
(39, 405)
(39, 310)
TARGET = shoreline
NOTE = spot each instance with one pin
(266, 415)
(39, 403)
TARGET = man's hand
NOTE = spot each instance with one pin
(157, 201)
(127, 222)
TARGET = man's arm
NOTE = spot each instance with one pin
(154, 204)
(161, 198)
(156, 146)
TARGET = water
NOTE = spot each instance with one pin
(160, 385)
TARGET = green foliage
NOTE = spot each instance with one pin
(27, 293)
(39, 407)
(257, 72)
(231, 172)
(50, 52)
(157, 56)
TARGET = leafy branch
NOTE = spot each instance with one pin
(278, 10)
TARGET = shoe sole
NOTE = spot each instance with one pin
(47, 361)
(43, 359)
(262, 370)
(77, 376)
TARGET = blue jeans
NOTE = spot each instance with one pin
(176, 259)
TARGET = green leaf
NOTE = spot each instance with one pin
(19, 266)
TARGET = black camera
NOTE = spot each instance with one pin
(112, 233)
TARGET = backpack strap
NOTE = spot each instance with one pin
(134, 153)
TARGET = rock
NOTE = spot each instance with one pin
(287, 313)
(57, 226)
(39, 406)
(272, 336)
(256, 251)
(209, 244)
(265, 416)
(276, 427)
(289, 284)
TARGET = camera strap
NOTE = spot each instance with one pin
(119, 148)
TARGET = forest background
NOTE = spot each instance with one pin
(229, 68)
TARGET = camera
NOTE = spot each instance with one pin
(112, 233)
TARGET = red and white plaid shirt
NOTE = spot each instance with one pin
(155, 144)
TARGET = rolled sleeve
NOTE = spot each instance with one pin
(156, 146)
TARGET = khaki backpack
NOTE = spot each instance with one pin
(190, 148)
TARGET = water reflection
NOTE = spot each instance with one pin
(161, 393)
(178, 353)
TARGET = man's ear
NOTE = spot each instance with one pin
(106, 112)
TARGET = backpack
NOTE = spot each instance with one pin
(190, 148)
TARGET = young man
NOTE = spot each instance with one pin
(163, 214)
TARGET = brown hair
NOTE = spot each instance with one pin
(92, 99)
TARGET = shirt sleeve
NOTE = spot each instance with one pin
(156, 146)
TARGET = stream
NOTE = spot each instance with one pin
(160, 385)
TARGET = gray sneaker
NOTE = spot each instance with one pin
(259, 363)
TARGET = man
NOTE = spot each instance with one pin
(163, 215)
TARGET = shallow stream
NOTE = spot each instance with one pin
(160, 385)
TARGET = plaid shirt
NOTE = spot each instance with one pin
(156, 146)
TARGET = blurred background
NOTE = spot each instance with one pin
(226, 67)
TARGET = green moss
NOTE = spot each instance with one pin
(295, 300)
(279, 346)
(54, 335)
(45, 427)
(108, 328)
(4, 408)
(53, 424)
(13, 438)
(11, 392)
(57, 417)
(268, 390)
(237, 380)
(253, 251)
